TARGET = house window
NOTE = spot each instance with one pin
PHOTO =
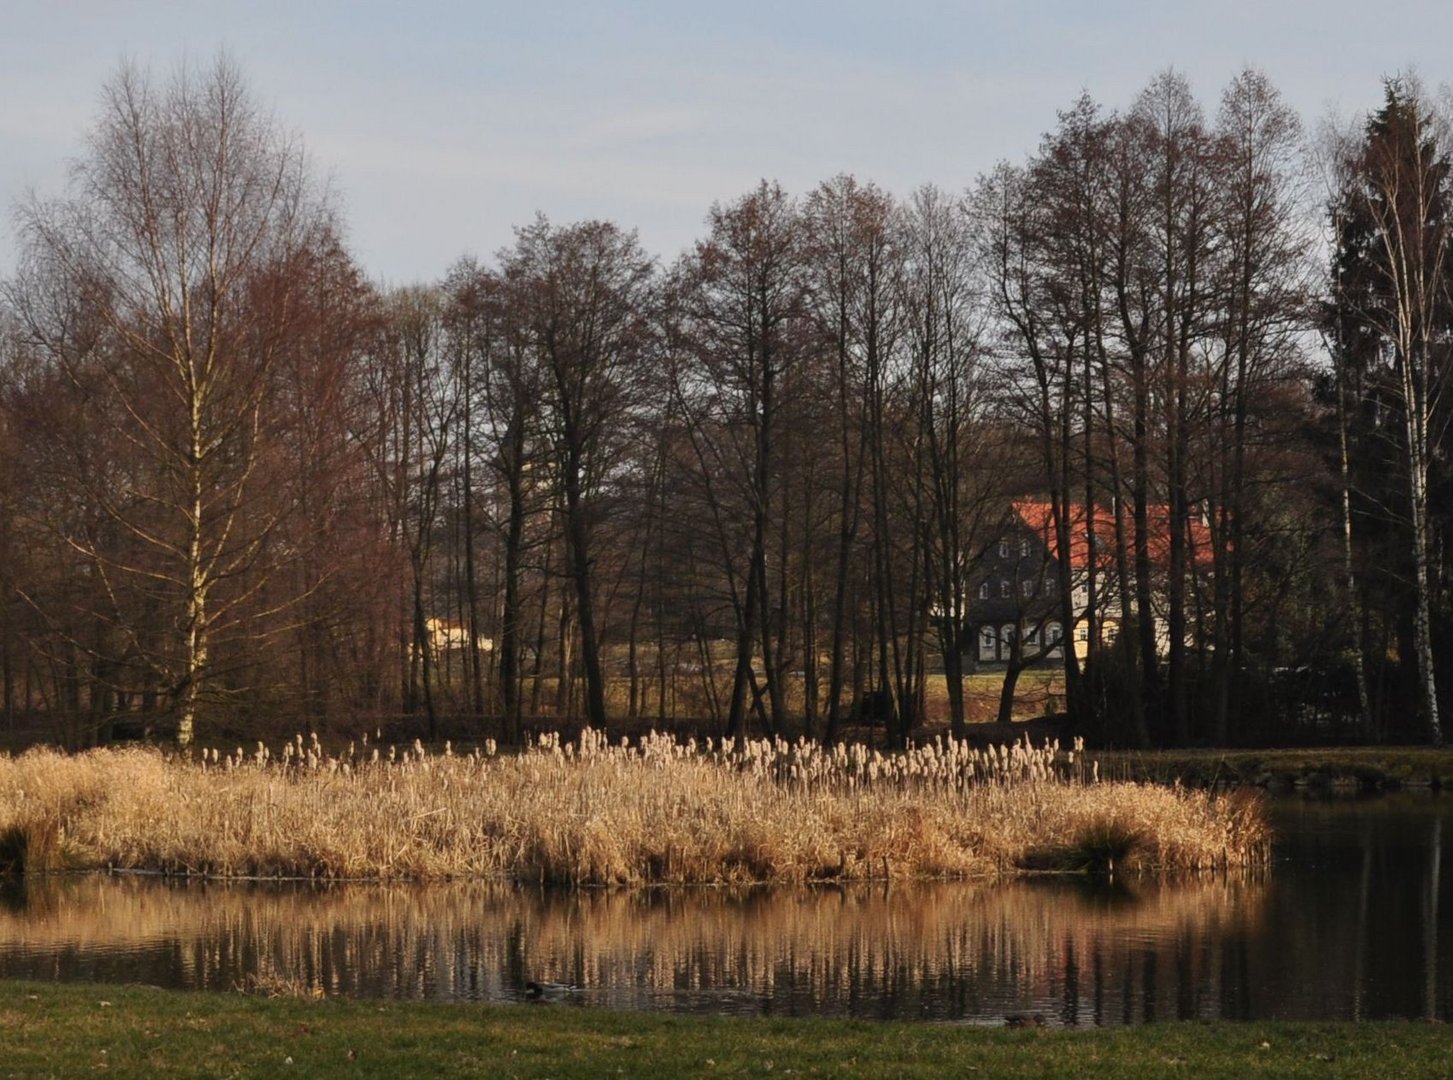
(1024, 548)
(987, 643)
(1027, 586)
(1082, 633)
(1004, 589)
(1003, 549)
(984, 590)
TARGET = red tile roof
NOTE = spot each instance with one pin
(1039, 516)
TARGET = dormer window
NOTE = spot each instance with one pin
(1004, 589)
(1003, 549)
(1024, 548)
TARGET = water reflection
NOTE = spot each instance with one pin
(1347, 924)
(1357, 928)
(1074, 953)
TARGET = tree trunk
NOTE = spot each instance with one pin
(584, 600)
(512, 623)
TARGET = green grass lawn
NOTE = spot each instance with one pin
(87, 1030)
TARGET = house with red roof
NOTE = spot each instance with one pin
(1014, 587)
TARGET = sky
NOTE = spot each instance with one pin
(441, 125)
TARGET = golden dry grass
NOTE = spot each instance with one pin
(593, 813)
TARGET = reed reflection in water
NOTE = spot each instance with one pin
(1070, 952)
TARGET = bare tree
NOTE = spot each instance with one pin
(180, 219)
(586, 293)
(467, 292)
(317, 406)
(1263, 297)
(10, 604)
(743, 307)
(1043, 250)
(846, 223)
(418, 411)
(944, 316)
(493, 343)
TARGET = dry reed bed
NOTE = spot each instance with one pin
(596, 813)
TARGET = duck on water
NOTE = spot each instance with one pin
(545, 992)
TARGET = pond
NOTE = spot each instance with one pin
(1346, 924)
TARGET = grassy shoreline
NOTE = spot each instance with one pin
(82, 1029)
(1335, 768)
(594, 813)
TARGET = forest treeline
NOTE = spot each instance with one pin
(243, 488)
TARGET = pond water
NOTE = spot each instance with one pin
(1347, 923)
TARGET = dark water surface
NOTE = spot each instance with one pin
(1348, 923)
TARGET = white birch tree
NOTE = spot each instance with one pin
(177, 243)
